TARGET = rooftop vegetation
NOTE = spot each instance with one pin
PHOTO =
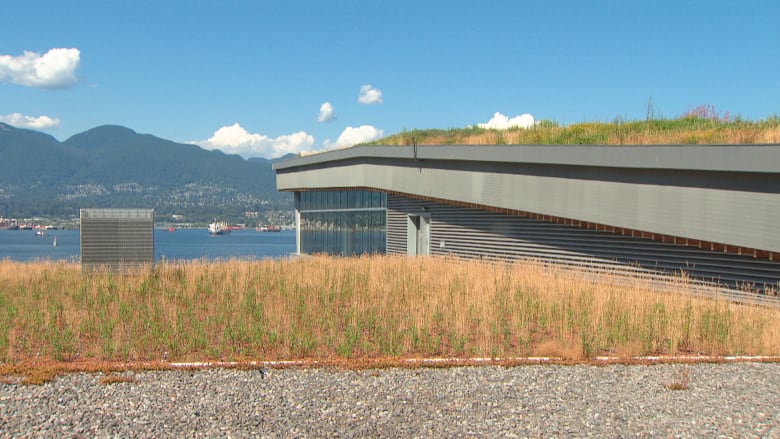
(356, 309)
(702, 125)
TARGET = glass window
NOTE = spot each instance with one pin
(343, 222)
(358, 199)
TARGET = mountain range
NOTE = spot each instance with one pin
(113, 166)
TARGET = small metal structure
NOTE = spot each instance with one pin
(117, 238)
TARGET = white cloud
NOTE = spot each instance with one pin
(327, 113)
(54, 69)
(234, 139)
(35, 123)
(293, 143)
(352, 136)
(370, 95)
(501, 122)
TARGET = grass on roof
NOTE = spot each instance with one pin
(699, 126)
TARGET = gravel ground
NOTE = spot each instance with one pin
(728, 400)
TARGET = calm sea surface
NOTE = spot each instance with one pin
(23, 245)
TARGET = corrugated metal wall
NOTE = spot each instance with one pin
(117, 238)
(475, 233)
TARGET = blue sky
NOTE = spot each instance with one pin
(257, 77)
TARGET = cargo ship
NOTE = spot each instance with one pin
(8, 224)
(219, 228)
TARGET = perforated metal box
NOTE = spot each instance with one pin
(117, 238)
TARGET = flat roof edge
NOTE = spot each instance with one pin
(762, 158)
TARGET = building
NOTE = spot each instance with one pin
(117, 238)
(710, 211)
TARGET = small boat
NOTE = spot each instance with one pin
(54, 243)
(8, 224)
(40, 232)
(171, 229)
(219, 228)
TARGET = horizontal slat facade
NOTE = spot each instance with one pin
(117, 238)
(475, 233)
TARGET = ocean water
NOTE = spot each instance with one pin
(183, 244)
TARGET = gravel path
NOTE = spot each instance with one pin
(730, 400)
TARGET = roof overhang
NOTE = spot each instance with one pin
(726, 194)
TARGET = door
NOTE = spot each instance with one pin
(418, 235)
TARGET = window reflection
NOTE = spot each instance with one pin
(343, 222)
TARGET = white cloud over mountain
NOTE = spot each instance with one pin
(327, 113)
(234, 139)
(34, 123)
(502, 122)
(54, 69)
(370, 95)
(352, 136)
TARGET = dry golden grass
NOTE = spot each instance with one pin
(681, 381)
(684, 130)
(334, 309)
(114, 379)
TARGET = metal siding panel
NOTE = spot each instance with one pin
(733, 158)
(473, 233)
(396, 224)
